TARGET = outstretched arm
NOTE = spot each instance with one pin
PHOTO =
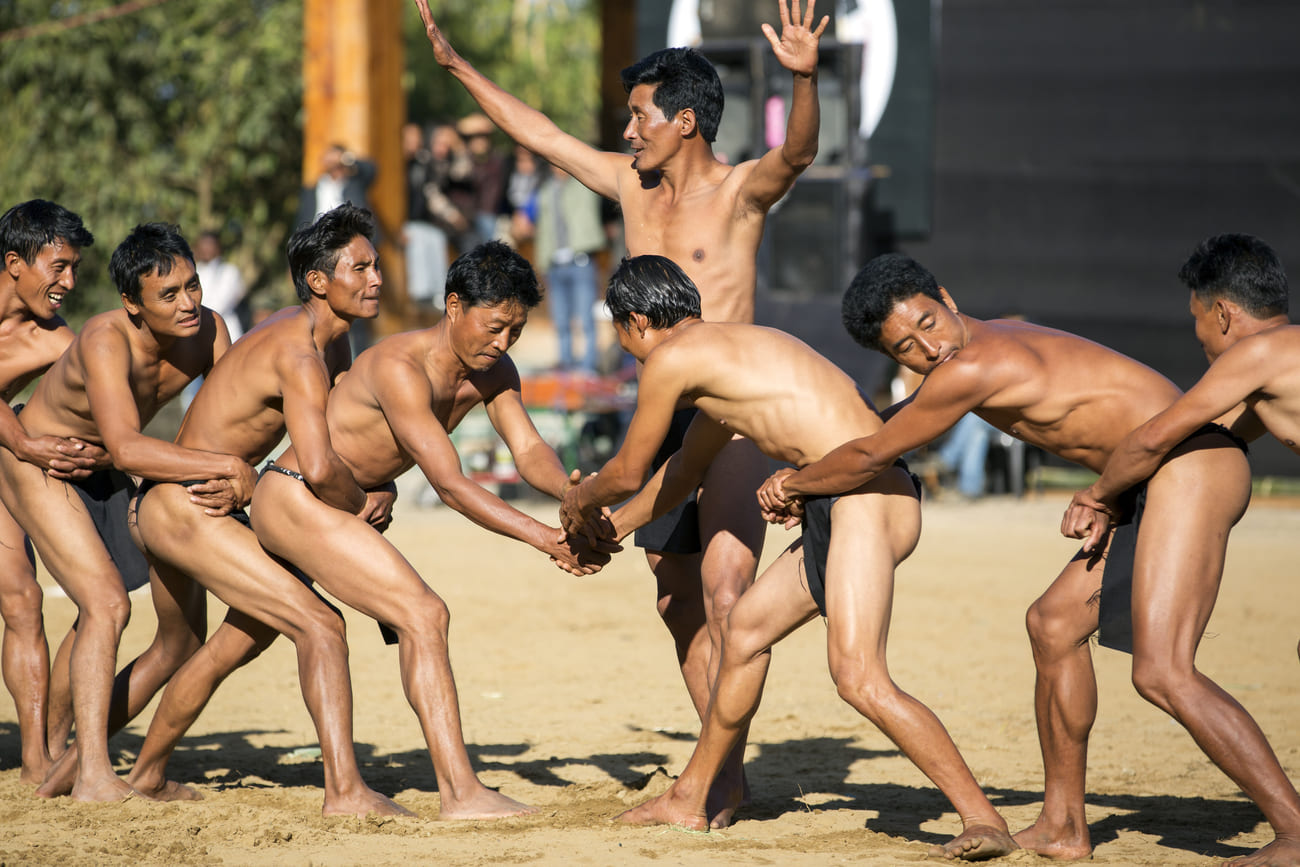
(796, 50)
(526, 125)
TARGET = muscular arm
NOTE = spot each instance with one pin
(674, 481)
(305, 386)
(796, 49)
(936, 406)
(662, 383)
(594, 169)
(405, 397)
(106, 359)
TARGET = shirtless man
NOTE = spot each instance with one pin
(276, 378)
(1077, 400)
(110, 382)
(41, 243)
(395, 410)
(795, 406)
(680, 201)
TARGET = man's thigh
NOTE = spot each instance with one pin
(347, 557)
(731, 527)
(17, 566)
(777, 604)
(871, 533)
(1193, 502)
(60, 528)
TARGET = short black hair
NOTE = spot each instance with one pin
(150, 247)
(877, 289)
(654, 286)
(25, 229)
(491, 274)
(1240, 268)
(317, 246)
(685, 79)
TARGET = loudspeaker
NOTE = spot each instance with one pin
(743, 19)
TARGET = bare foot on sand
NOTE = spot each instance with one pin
(977, 843)
(61, 775)
(1280, 853)
(1065, 844)
(484, 804)
(363, 802)
(725, 798)
(167, 791)
(107, 789)
(34, 774)
(665, 810)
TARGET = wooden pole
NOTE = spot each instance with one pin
(352, 95)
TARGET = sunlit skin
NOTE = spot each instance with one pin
(679, 200)
(1079, 401)
(395, 410)
(32, 337)
(274, 381)
(113, 378)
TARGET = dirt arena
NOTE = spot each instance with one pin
(572, 702)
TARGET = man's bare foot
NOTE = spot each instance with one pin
(167, 791)
(1281, 852)
(1066, 844)
(484, 804)
(61, 775)
(665, 810)
(33, 774)
(977, 843)
(725, 798)
(104, 790)
(363, 802)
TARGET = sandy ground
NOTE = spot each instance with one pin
(572, 702)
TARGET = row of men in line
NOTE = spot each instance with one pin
(744, 380)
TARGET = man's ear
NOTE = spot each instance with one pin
(452, 306)
(130, 306)
(12, 264)
(686, 123)
(316, 281)
(639, 322)
(947, 300)
(1224, 312)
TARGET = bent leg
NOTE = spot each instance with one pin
(58, 727)
(25, 658)
(871, 534)
(732, 531)
(777, 604)
(64, 534)
(1179, 563)
(1060, 623)
(357, 565)
(265, 599)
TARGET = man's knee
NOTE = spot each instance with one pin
(426, 616)
(109, 609)
(868, 688)
(21, 608)
(1051, 628)
(1159, 681)
(324, 627)
(740, 644)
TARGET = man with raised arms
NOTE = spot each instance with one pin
(276, 378)
(113, 378)
(394, 410)
(680, 201)
(1077, 400)
(41, 245)
(795, 406)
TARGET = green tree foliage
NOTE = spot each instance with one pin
(546, 52)
(186, 111)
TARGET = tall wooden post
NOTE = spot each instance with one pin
(353, 96)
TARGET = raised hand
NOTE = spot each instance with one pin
(796, 49)
(442, 50)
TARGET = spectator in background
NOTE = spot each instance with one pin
(527, 173)
(489, 174)
(223, 285)
(450, 193)
(344, 177)
(569, 234)
(424, 241)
